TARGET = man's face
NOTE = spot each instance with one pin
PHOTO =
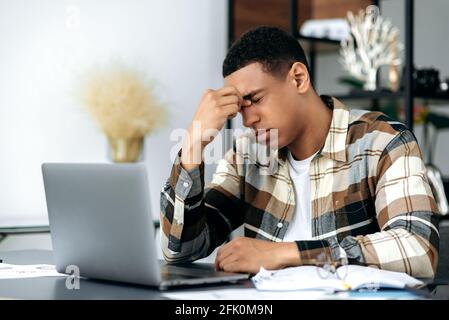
(270, 102)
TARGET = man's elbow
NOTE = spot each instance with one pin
(184, 255)
(172, 257)
(427, 263)
(433, 256)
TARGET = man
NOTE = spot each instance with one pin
(349, 185)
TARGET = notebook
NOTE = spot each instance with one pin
(345, 278)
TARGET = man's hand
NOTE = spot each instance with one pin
(248, 255)
(215, 108)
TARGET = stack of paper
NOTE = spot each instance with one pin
(14, 271)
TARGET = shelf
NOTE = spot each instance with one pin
(39, 229)
(319, 44)
(319, 40)
(441, 98)
(359, 95)
(24, 229)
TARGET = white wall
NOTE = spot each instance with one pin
(45, 47)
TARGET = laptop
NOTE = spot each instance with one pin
(101, 222)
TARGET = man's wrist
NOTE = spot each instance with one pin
(288, 255)
(191, 157)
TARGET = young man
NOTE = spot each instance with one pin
(349, 186)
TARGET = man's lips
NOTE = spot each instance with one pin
(258, 132)
(262, 134)
(266, 136)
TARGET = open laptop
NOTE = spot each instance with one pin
(101, 222)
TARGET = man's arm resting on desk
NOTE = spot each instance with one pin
(248, 255)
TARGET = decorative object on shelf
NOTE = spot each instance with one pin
(393, 71)
(426, 81)
(444, 87)
(123, 104)
(335, 29)
(371, 44)
(354, 83)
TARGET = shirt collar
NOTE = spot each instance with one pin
(335, 144)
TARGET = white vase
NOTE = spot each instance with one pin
(126, 150)
(370, 83)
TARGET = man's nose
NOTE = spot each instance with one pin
(250, 116)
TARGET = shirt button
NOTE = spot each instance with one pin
(280, 225)
(185, 184)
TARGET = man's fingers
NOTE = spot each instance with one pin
(222, 253)
(229, 90)
(216, 264)
(230, 109)
(233, 246)
(246, 103)
(225, 100)
(223, 263)
(225, 251)
(235, 266)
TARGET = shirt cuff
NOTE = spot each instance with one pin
(315, 252)
(186, 184)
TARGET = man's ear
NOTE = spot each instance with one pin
(300, 77)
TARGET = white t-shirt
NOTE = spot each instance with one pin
(300, 227)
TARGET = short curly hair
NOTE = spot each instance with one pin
(274, 48)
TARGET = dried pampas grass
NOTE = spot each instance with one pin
(122, 102)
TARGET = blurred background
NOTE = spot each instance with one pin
(49, 46)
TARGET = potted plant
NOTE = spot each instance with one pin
(123, 104)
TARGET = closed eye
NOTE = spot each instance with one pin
(256, 100)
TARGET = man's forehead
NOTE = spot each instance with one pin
(247, 79)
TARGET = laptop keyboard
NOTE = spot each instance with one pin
(194, 273)
(172, 276)
(194, 270)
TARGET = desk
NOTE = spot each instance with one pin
(32, 229)
(54, 288)
(6, 231)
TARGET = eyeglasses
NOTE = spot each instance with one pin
(326, 268)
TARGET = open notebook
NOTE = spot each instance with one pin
(349, 277)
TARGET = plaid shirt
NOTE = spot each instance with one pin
(371, 203)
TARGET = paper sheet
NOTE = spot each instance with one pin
(296, 278)
(254, 294)
(14, 271)
(249, 294)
